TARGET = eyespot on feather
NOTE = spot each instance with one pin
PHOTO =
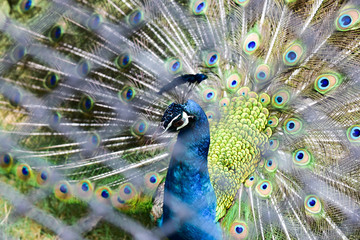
(250, 181)
(293, 126)
(224, 102)
(55, 120)
(83, 68)
(273, 121)
(271, 165)
(327, 82)
(262, 73)
(212, 59)
(312, 204)
(348, 19)
(56, 33)
(93, 141)
(280, 99)
(264, 98)
(244, 91)
(210, 115)
(173, 65)
(302, 157)
(6, 161)
(86, 104)
(23, 171)
(63, 190)
(239, 230)
(264, 188)
(43, 177)
(123, 60)
(118, 203)
(127, 191)
(84, 189)
(233, 82)
(94, 22)
(103, 194)
(136, 18)
(51, 80)
(353, 133)
(209, 95)
(152, 180)
(199, 7)
(26, 5)
(251, 43)
(273, 144)
(17, 53)
(293, 54)
(140, 127)
(127, 94)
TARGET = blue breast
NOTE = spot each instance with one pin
(188, 192)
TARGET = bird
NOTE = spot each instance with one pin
(187, 179)
(104, 103)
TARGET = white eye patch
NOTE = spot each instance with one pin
(185, 119)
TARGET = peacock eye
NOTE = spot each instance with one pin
(199, 7)
(63, 190)
(6, 161)
(265, 99)
(210, 115)
(280, 98)
(292, 126)
(264, 188)
(312, 204)
(209, 95)
(224, 102)
(23, 171)
(17, 53)
(136, 17)
(302, 157)
(262, 73)
(173, 65)
(211, 59)
(94, 22)
(233, 82)
(26, 5)
(43, 177)
(243, 91)
(56, 33)
(327, 82)
(178, 123)
(347, 19)
(353, 133)
(251, 43)
(293, 54)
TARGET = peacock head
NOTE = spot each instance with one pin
(178, 116)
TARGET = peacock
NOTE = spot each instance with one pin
(179, 119)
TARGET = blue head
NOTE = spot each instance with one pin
(193, 126)
(184, 116)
